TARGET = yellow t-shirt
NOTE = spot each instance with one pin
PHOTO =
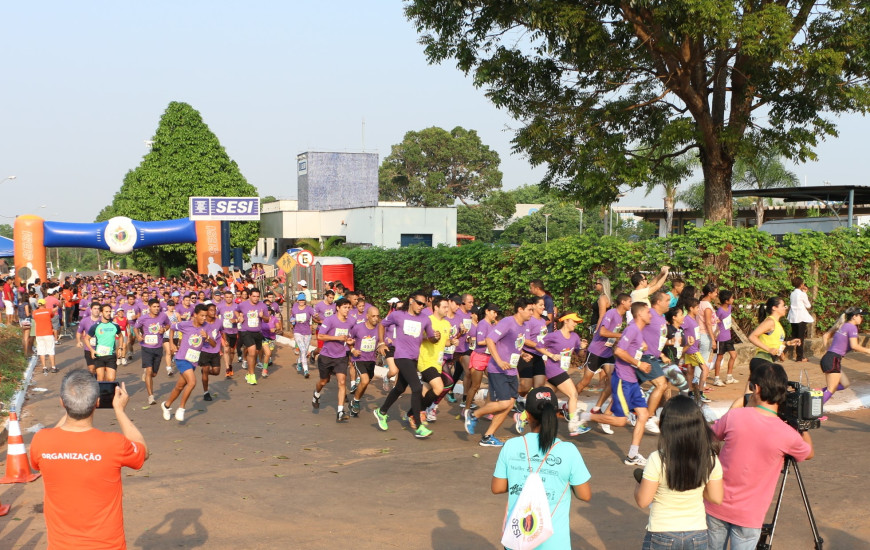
(675, 510)
(430, 354)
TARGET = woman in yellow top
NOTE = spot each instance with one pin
(769, 336)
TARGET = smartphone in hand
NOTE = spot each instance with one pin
(107, 395)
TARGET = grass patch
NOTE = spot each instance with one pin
(12, 365)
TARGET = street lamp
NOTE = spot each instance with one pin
(581, 220)
(546, 227)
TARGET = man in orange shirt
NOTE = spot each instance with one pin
(81, 468)
(44, 332)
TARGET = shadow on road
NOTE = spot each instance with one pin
(14, 538)
(179, 529)
(451, 535)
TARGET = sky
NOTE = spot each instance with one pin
(83, 86)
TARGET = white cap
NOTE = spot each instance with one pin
(302, 282)
(393, 300)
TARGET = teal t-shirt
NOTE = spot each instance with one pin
(105, 334)
(564, 466)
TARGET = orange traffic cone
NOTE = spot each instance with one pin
(17, 467)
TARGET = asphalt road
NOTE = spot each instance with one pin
(257, 468)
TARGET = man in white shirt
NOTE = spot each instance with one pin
(799, 315)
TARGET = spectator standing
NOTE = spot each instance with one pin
(799, 315)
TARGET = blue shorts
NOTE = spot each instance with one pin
(655, 370)
(502, 386)
(626, 396)
(183, 365)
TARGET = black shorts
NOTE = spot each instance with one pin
(458, 354)
(530, 369)
(724, 346)
(151, 358)
(232, 340)
(89, 359)
(105, 362)
(365, 367)
(430, 374)
(391, 351)
(595, 362)
(831, 363)
(248, 339)
(207, 359)
(502, 387)
(330, 365)
(558, 379)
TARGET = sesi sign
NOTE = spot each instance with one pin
(225, 208)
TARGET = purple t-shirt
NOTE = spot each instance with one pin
(481, 331)
(555, 342)
(302, 317)
(366, 341)
(840, 341)
(252, 315)
(152, 329)
(324, 310)
(333, 326)
(631, 342)
(724, 316)
(268, 327)
(409, 332)
(463, 321)
(130, 311)
(214, 329)
(227, 314)
(191, 341)
(509, 338)
(691, 329)
(184, 312)
(655, 334)
(600, 345)
(536, 330)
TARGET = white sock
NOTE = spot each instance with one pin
(632, 451)
(340, 408)
(317, 395)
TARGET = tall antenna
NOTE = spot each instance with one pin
(364, 134)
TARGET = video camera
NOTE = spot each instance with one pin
(802, 408)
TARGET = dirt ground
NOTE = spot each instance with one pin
(257, 468)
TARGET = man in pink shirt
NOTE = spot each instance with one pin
(751, 464)
(53, 305)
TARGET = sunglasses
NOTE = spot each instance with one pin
(418, 302)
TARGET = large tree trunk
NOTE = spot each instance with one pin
(669, 215)
(717, 167)
(759, 212)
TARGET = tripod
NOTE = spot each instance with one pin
(765, 541)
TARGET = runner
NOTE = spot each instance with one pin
(505, 343)
(193, 336)
(532, 373)
(150, 329)
(724, 341)
(480, 354)
(410, 329)
(210, 356)
(170, 339)
(769, 336)
(301, 317)
(843, 337)
(655, 336)
(335, 335)
(121, 320)
(103, 344)
(433, 356)
(250, 314)
(462, 321)
(364, 354)
(228, 313)
(694, 361)
(84, 326)
(271, 329)
(602, 304)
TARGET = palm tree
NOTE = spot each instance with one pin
(763, 170)
(668, 176)
(321, 248)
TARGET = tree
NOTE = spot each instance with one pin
(564, 220)
(592, 82)
(186, 159)
(317, 247)
(434, 167)
(481, 219)
(5, 230)
(762, 170)
(668, 177)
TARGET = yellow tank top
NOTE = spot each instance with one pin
(774, 338)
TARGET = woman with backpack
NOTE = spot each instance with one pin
(678, 477)
(521, 457)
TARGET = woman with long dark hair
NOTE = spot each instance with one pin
(843, 337)
(678, 477)
(769, 336)
(521, 455)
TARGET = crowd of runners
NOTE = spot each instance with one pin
(669, 339)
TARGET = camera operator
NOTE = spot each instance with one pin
(81, 467)
(756, 441)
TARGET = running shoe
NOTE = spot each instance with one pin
(652, 427)
(265, 373)
(252, 379)
(470, 422)
(151, 400)
(340, 416)
(167, 412)
(206, 396)
(574, 423)
(581, 429)
(381, 418)
(45, 371)
(451, 398)
(315, 401)
(230, 373)
(54, 369)
(519, 423)
(354, 408)
(636, 460)
(169, 371)
(353, 386)
(123, 360)
(422, 432)
(179, 414)
(490, 441)
(432, 414)
(704, 398)
(731, 380)
(718, 382)
(299, 368)
(606, 428)
(259, 365)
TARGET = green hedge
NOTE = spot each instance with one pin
(836, 267)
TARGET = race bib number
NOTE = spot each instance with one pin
(130, 314)
(609, 343)
(102, 351)
(301, 317)
(93, 342)
(228, 323)
(726, 323)
(638, 354)
(466, 324)
(192, 355)
(253, 322)
(367, 344)
(448, 351)
(565, 360)
(472, 343)
(412, 328)
(341, 332)
(151, 340)
(697, 332)
(514, 360)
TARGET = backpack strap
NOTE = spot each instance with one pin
(543, 460)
